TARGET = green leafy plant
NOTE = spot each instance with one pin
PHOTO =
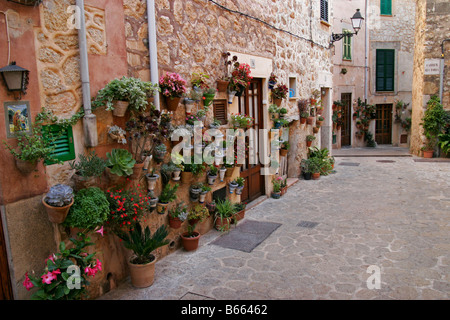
(276, 184)
(180, 211)
(213, 170)
(240, 181)
(433, 122)
(120, 161)
(205, 188)
(133, 90)
(273, 108)
(143, 243)
(168, 193)
(56, 282)
(225, 209)
(315, 164)
(89, 165)
(304, 165)
(283, 111)
(280, 91)
(198, 212)
(310, 138)
(285, 145)
(89, 210)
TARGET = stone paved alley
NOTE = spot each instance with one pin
(394, 215)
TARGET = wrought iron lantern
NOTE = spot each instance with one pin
(15, 78)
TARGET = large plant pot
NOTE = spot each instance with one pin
(186, 177)
(57, 214)
(172, 103)
(190, 243)
(222, 85)
(428, 153)
(142, 275)
(223, 224)
(120, 108)
(307, 175)
(26, 167)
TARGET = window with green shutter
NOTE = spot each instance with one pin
(62, 141)
(347, 46)
(386, 7)
(385, 62)
(324, 10)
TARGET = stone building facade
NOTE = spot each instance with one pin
(287, 38)
(387, 30)
(431, 41)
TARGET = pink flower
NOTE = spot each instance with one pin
(27, 282)
(98, 265)
(90, 271)
(100, 231)
(50, 257)
(56, 272)
(48, 278)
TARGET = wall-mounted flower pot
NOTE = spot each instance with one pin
(283, 152)
(175, 223)
(316, 129)
(222, 85)
(194, 194)
(26, 167)
(153, 202)
(202, 197)
(277, 101)
(176, 175)
(190, 242)
(232, 186)
(271, 84)
(308, 143)
(151, 180)
(222, 172)
(310, 120)
(161, 207)
(208, 99)
(56, 214)
(189, 103)
(239, 190)
(120, 108)
(302, 120)
(137, 170)
(212, 179)
(172, 103)
(231, 95)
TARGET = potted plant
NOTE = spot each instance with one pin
(30, 150)
(90, 210)
(194, 191)
(273, 79)
(224, 215)
(168, 194)
(239, 209)
(173, 86)
(152, 178)
(88, 169)
(57, 202)
(119, 94)
(283, 187)
(212, 174)
(433, 123)
(240, 181)
(309, 140)
(305, 169)
(282, 112)
(190, 239)
(279, 93)
(204, 191)
(54, 281)
(315, 166)
(208, 96)
(284, 148)
(274, 111)
(303, 110)
(197, 214)
(178, 215)
(160, 152)
(223, 83)
(119, 163)
(232, 185)
(240, 78)
(222, 172)
(319, 120)
(215, 124)
(276, 184)
(142, 243)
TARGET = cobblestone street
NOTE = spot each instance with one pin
(391, 214)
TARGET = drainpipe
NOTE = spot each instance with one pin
(154, 77)
(441, 85)
(366, 53)
(89, 119)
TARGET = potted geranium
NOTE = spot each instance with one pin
(279, 93)
(142, 243)
(58, 201)
(276, 184)
(173, 86)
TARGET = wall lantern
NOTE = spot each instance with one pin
(357, 20)
(15, 78)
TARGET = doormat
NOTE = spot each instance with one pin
(386, 161)
(247, 235)
(307, 224)
(354, 164)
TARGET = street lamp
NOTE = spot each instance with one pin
(357, 20)
(15, 78)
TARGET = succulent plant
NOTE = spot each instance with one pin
(120, 161)
(60, 195)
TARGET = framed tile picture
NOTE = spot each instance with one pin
(17, 117)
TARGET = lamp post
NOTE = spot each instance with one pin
(15, 78)
(357, 20)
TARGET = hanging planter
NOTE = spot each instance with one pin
(231, 95)
(176, 174)
(202, 196)
(212, 179)
(120, 108)
(172, 103)
(222, 172)
(310, 120)
(151, 180)
(26, 167)
(232, 186)
(194, 193)
(189, 104)
(208, 99)
(239, 190)
(222, 85)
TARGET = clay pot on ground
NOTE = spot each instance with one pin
(57, 214)
(223, 224)
(142, 275)
(120, 108)
(315, 175)
(239, 215)
(276, 195)
(428, 154)
(190, 242)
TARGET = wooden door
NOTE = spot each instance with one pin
(346, 128)
(5, 283)
(383, 129)
(250, 103)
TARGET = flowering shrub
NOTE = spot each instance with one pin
(280, 91)
(277, 184)
(65, 276)
(126, 207)
(240, 77)
(172, 85)
(241, 121)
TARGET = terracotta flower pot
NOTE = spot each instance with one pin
(172, 103)
(137, 170)
(240, 215)
(222, 85)
(277, 101)
(186, 177)
(223, 224)
(308, 143)
(302, 120)
(190, 243)
(26, 167)
(310, 120)
(81, 182)
(120, 108)
(283, 152)
(428, 153)
(57, 214)
(142, 275)
(175, 223)
(316, 175)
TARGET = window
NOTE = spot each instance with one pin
(292, 87)
(347, 46)
(324, 10)
(63, 142)
(220, 110)
(386, 7)
(385, 69)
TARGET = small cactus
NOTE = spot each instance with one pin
(60, 195)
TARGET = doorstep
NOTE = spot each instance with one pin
(291, 181)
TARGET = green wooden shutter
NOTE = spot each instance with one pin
(385, 63)
(386, 7)
(347, 47)
(63, 142)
